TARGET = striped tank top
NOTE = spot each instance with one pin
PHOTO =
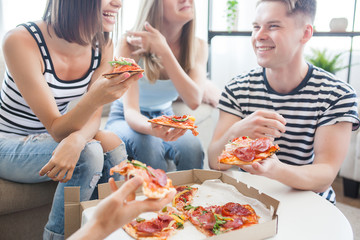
(16, 117)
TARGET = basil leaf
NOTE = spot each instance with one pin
(181, 119)
(120, 62)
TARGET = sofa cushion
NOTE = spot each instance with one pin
(20, 196)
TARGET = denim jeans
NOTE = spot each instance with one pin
(21, 159)
(186, 152)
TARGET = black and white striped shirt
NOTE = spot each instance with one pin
(319, 100)
(16, 117)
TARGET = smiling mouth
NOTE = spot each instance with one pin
(109, 14)
(265, 48)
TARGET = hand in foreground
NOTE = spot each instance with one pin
(64, 158)
(167, 134)
(117, 210)
(262, 123)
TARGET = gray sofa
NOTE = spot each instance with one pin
(24, 208)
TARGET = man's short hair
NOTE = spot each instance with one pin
(305, 7)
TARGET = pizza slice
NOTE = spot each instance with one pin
(244, 150)
(183, 122)
(156, 183)
(184, 197)
(167, 222)
(214, 220)
(121, 65)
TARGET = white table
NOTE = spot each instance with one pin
(302, 214)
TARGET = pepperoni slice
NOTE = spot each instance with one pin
(245, 154)
(237, 223)
(158, 176)
(207, 220)
(261, 144)
(149, 227)
(231, 209)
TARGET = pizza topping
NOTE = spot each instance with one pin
(141, 165)
(149, 227)
(139, 219)
(123, 62)
(261, 144)
(244, 150)
(121, 65)
(178, 195)
(231, 209)
(246, 154)
(218, 222)
(180, 119)
(182, 122)
(155, 185)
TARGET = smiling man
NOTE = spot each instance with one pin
(307, 111)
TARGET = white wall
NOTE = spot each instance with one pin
(230, 56)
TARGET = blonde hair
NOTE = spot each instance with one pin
(152, 11)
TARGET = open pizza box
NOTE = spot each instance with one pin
(74, 209)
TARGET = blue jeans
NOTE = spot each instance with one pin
(186, 152)
(21, 159)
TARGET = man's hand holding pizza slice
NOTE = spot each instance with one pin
(248, 154)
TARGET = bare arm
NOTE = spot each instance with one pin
(330, 148)
(28, 76)
(117, 210)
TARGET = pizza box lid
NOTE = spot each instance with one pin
(74, 208)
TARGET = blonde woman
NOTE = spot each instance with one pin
(163, 42)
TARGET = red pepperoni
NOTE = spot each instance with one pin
(124, 68)
(207, 220)
(245, 154)
(233, 224)
(180, 188)
(165, 218)
(149, 227)
(231, 209)
(158, 176)
(261, 144)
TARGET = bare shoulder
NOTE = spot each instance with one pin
(201, 47)
(200, 43)
(18, 37)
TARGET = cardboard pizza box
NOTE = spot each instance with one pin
(74, 208)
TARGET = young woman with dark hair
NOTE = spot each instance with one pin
(49, 63)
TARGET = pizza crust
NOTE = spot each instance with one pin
(129, 229)
(235, 161)
(160, 192)
(173, 126)
(132, 72)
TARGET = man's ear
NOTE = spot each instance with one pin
(308, 32)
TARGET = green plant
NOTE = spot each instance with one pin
(328, 62)
(231, 13)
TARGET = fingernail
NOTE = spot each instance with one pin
(146, 24)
